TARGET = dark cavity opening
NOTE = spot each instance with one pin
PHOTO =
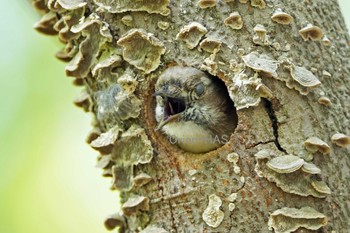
(174, 106)
(228, 105)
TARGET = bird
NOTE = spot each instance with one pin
(194, 109)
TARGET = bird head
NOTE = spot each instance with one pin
(178, 89)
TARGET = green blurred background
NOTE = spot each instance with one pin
(48, 182)
(48, 179)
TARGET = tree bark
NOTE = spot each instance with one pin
(273, 175)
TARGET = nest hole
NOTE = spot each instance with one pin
(163, 142)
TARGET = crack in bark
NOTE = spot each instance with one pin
(172, 217)
(259, 143)
(163, 197)
(172, 196)
(274, 122)
(235, 202)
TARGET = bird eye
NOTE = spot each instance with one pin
(199, 89)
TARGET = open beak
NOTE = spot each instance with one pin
(172, 118)
(173, 107)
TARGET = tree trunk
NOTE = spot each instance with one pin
(285, 167)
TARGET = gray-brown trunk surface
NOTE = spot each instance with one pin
(117, 49)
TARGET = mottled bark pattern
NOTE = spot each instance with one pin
(117, 53)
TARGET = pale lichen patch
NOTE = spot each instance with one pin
(142, 179)
(261, 63)
(326, 41)
(154, 229)
(314, 144)
(85, 23)
(304, 77)
(64, 25)
(150, 6)
(210, 65)
(232, 197)
(115, 220)
(285, 164)
(282, 17)
(163, 25)
(341, 140)
(260, 31)
(258, 3)
(210, 45)
(117, 103)
(127, 20)
(122, 176)
(297, 182)
(242, 179)
(261, 37)
(67, 53)
(299, 78)
(128, 83)
(311, 32)
(264, 91)
(234, 66)
(234, 21)
(311, 168)
(135, 146)
(240, 52)
(104, 143)
(191, 34)
(324, 101)
(207, 3)
(321, 187)
(242, 91)
(212, 215)
(84, 101)
(192, 172)
(72, 4)
(46, 24)
(326, 74)
(135, 204)
(231, 206)
(40, 5)
(53, 5)
(96, 34)
(288, 220)
(112, 61)
(141, 49)
(94, 133)
(103, 161)
(263, 154)
(234, 158)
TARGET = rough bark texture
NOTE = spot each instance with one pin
(117, 49)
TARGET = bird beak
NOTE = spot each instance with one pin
(171, 118)
(173, 106)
